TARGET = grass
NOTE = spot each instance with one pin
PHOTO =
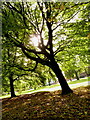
(48, 106)
(51, 86)
(79, 81)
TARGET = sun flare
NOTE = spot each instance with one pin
(35, 40)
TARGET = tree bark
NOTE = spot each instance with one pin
(65, 87)
(12, 87)
(49, 80)
(76, 75)
(86, 72)
(70, 79)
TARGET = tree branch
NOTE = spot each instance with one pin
(61, 48)
(41, 8)
(39, 60)
(66, 21)
(19, 76)
(25, 68)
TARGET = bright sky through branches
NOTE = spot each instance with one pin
(35, 40)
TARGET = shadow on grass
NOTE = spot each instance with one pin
(48, 106)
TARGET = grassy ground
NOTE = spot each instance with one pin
(79, 81)
(51, 86)
(48, 106)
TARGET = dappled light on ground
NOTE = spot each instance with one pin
(48, 106)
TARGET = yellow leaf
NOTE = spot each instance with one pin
(62, 7)
(88, 35)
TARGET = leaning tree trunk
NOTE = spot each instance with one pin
(12, 87)
(65, 88)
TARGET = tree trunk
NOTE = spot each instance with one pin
(86, 72)
(49, 80)
(65, 88)
(43, 82)
(76, 75)
(12, 86)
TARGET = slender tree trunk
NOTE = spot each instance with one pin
(49, 80)
(65, 88)
(12, 87)
(43, 82)
(86, 72)
(76, 75)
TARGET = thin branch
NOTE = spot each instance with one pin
(41, 9)
(26, 68)
(21, 45)
(42, 28)
(71, 16)
(36, 19)
(61, 48)
(19, 76)
(66, 21)
(12, 7)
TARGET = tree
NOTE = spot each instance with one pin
(46, 21)
(7, 71)
(15, 69)
(72, 67)
(11, 66)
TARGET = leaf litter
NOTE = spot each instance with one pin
(48, 106)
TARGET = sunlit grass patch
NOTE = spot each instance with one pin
(80, 81)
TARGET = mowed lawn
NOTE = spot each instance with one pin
(48, 106)
(46, 88)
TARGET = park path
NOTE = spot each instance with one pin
(59, 88)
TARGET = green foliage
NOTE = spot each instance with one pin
(73, 66)
(61, 39)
